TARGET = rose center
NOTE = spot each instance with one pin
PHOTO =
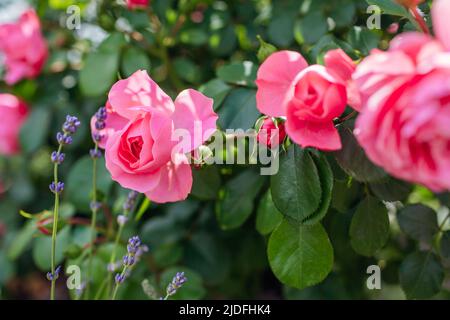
(136, 146)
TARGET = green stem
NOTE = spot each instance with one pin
(93, 221)
(55, 228)
(116, 288)
(112, 259)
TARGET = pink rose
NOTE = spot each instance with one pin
(24, 48)
(404, 125)
(141, 150)
(13, 113)
(137, 4)
(309, 97)
(271, 134)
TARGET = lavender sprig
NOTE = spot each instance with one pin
(175, 285)
(100, 124)
(64, 137)
(135, 249)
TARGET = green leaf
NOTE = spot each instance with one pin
(445, 245)
(421, 275)
(168, 254)
(188, 70)
(312, 27)
(235, 209)
(391, 190)
(195, 37)
(217, 90)
(99, 73)
(296, 188)
(363, 39)
(42, 249)
(7, 268)
(369, 229)
(268, 216)
(345, 195)
(22, 240)
(239, 73)
(209, 257)
(281, 30)
(354, 161)
(101, 67)
(326, 182)
(35, 129)
(300, 256)
(239, 110)
(134, 59)
(207, 183)
(193, 289)
(79, 182)
(419, 222)
(390, 7)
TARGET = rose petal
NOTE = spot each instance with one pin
(194, 118)
(137, 94)
(275, 79)
(441, 21)
(323, 136)
(175, 183)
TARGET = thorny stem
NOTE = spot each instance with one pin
(55, 229)
(419, 19)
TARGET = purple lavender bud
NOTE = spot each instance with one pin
(57, 158)
(128, 260)
(56, 188)
(71, 125)
(95, 154)
(122, 220)
(95, 205)
(97, 137)
(141, 250)
(101, 114)
(63, 138)
(131, 201)
(54, 276)
(100, 125)
(119, 278)
(177, 283)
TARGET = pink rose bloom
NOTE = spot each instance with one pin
(404, 125)
(13, 113)
(142, 128)
(24, 48)
(137, 4)
(310, 98)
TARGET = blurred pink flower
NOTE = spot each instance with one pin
(404, 124)
(24, 48)
(137, 4)
(13, 113)
(309, 97)
(141, 150)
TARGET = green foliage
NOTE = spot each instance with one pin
(317, 224)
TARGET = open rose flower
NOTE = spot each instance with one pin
(24, 48)
(140, 139)
(137, 4)
(404, 124)
(13, 113)
(309, 97)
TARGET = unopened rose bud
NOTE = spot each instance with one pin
(271, 134)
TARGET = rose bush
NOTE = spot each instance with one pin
(224, 149)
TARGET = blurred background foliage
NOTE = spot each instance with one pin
(219, 235)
